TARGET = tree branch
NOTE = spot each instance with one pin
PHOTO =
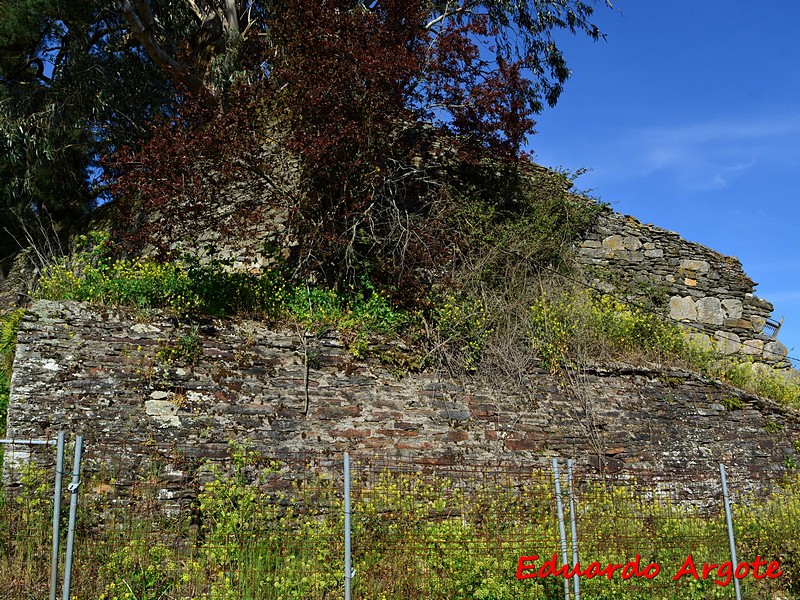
(447, 12)
(145, 13)
(145, 36)
(231, 18)
(196, 10)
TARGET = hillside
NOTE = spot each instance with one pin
(591, 336)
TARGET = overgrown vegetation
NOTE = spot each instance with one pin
(508, 220)
(162, 104)
(187, 288)
(762, 380)
(253, 534)
(571, 327)
(510, 306)
(9, 324)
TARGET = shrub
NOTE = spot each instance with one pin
(761, 379)
(9, 325)
(769, 528)
(575, 324)
(188, 288)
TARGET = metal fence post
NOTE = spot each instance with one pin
(348, 572)
(576, 581)
(73, 510)
(57, 515)
(729, 519)
(561, 529)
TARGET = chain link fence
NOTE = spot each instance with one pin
(158, 523)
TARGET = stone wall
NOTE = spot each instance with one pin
(704, 290)
(16, 275)
(691, 284)
(116, 377)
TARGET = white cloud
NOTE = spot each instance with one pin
(704, 156)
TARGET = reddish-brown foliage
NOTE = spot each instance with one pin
(196, 152)
(352, 84)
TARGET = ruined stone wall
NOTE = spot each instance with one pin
(113, 376)
(690, 283)
(15, 279)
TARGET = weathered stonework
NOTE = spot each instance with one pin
(16, 276)
(699, 288)
(96, 371)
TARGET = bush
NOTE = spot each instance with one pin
(573, 325)
(769, 528)
(761, 379)
(9, 325)
(189, 288)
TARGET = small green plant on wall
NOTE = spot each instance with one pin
(9, 325)
(186, 349)
(733, 403)
(772, 427)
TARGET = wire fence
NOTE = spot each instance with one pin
(157, 523)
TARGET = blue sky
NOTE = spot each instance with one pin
(689, 118)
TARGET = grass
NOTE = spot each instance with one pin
(9, 324)
(263, 529)
(483, 330)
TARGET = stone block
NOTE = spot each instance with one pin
(682, 309)
(614, 242)
(397, 433)
(709, 310)
(738, 323)
(727, 342)
(775, 351)
(757, 302)
(655, 253)
(526, 444)
(350, 433)
(163, 412)
(697, 266)
(753, 347)
(758, 323)
(732, 308)
(457, 436)
(632, 243)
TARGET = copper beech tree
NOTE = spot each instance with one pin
(355, 85)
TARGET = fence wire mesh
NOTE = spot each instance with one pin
(238, 524)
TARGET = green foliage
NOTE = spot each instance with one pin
(256, 533)
(9, 325)
(188, 288)
(463, 325)
(732, 403)
(187, 348)
(139, 571)
(517, 228)
(759, 379)
(769, 528)
(56, 122)
(574, 325)
(91, 274)
(512, 220)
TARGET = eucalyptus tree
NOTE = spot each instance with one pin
(72, 88)
(80, 81)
